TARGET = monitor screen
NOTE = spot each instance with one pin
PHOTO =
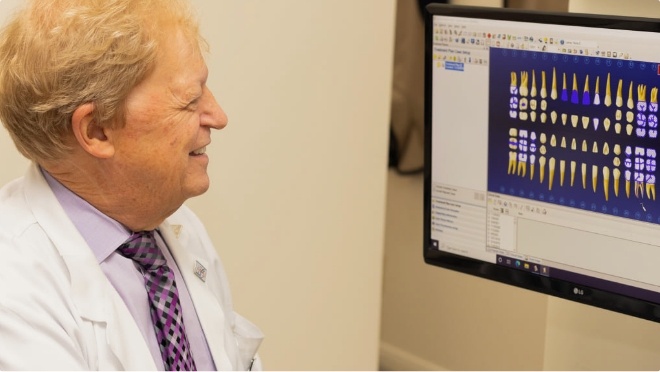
(541, 134)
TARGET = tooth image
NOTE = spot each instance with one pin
(553, 90)
(653, 106)
(532, 104)
(629, 102)
(619, 94)
(573, 144)
(512, 162)
(617, 175)
(544, 117)
(617, 128)
(533, 92)
(606, 182)
(532, 161)
(523, 103)
(627, 175)
(650, 186)
(513, 114)
(563, 142)
(544, 92)
(585, 122)
(544, 105)
(532, 116)
(585, 95)
(618, 115)
(584, 145)
(594, 177)
(574, 91)
(564, 91)
(513, 132)
(641, 98)
(573, 166)
(629, 129)
(523, 83)
(630, 116)
(513, 143)
(650, 190)
(553, 117)
(595, 148)
(553, 141)
(617, 149)
(574, 120)
(596, 121)
(551, 170)
(543, 150)
(606, 124)
(523, 115)
(596, 94)
(616, 162)
(513, 88)
(543, 138)
(606, 149)
(542, 168)
(639, 185)
(562, 171)
(522, 165)
(583, 167)
(608, 92)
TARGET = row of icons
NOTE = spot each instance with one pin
(521, 42)
(523, 265)
(506, 205)
(459, 58)
(447, 30)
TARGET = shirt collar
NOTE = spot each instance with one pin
(102, 233)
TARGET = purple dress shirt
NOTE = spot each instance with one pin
(104, 235)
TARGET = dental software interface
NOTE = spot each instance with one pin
(547, 135)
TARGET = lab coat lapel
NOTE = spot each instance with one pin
(93, 295)
(210, 313)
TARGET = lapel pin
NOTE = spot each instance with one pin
(176, 229)
(200, 271)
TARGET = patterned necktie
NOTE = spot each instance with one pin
(166, 311)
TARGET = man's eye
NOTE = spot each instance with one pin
(192, 106)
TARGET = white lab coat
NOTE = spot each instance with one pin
(59, 311)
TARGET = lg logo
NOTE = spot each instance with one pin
(578, 291)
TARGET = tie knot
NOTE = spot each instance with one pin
(141, 247)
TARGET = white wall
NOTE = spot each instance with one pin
(296, 206)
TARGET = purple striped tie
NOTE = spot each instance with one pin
(166, 311)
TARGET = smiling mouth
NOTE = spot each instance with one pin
(200, 151)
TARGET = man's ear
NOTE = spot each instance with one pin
(92, 137)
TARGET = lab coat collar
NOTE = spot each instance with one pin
(211, 315)
(95, 298)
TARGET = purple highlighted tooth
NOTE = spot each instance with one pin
(641, 120)
(641, 106)
(586, 99)
(574, 97)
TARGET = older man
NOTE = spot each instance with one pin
(101, 267)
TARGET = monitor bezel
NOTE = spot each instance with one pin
(543, 284)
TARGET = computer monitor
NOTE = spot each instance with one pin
(541, 146)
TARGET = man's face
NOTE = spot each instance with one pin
(169, 116)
